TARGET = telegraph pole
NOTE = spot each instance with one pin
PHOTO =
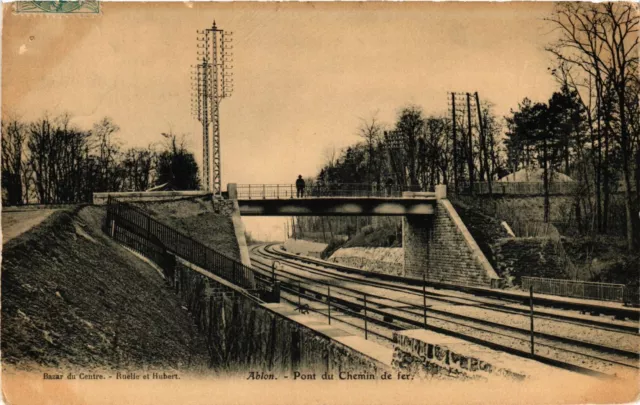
(462, 146)
(212, 81)
(455, 144)
(470, 155)
(484, 153)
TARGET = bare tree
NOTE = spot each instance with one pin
(14, 134)
(107, 152)
(58, 159)
(138, 165)
(371, 131)
(602, 40)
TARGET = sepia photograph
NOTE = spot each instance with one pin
(320, 202)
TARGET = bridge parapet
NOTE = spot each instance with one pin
(355, 190)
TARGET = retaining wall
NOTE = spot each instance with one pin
(238, 227)
(441, 248)
(427, 354)
(304, 247)
(377, 260)
(244, 335)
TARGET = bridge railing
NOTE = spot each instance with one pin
(285, 191)
(575, 289)
(519, 188)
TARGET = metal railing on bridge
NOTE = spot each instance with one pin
(284, 191)
(575, 289)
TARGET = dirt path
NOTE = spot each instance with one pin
(15, 223)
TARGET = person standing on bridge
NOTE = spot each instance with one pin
(300, 186)
(389, 186)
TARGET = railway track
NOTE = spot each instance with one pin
(456, 299)
(393, 306)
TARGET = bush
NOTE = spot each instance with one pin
(368, 229)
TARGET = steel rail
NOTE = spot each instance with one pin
(492, 345)
(569, 341)
(634, 330)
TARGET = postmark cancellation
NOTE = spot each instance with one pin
(57, 7)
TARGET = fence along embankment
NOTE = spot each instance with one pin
(226, 301)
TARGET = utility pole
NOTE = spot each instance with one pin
(470, 155)
(212, 81)
(463, 147)
(455, 143)
(484, 158)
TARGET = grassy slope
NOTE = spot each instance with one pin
(485, 230)
(600, 258)
(72, 297)
(197, 219)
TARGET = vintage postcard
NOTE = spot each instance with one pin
(320, 202)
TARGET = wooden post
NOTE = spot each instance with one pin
(424, 299)
(531, 312)
(329, 303)
(366, 332)
(273, 272)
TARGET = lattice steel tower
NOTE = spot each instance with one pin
(212, 81)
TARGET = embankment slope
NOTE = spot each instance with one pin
(72, 297)
(199, 219)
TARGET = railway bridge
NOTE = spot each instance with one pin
(437, 244)
(349, 199)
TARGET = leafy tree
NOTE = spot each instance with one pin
(533, 134)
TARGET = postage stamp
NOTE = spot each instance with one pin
(58, 7)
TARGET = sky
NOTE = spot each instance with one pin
(305, 74)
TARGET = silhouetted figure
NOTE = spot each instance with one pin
(300, 186)
(389, 186)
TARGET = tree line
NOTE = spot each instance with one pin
(589, 129)
(418, 151)
(50, 161)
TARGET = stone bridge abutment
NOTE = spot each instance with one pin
(440, 248)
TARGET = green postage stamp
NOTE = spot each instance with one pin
(58, 7)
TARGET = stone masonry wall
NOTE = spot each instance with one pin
(245, 336)
(532, 257)
(430, 359)
(441, 247)
(377, 260)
